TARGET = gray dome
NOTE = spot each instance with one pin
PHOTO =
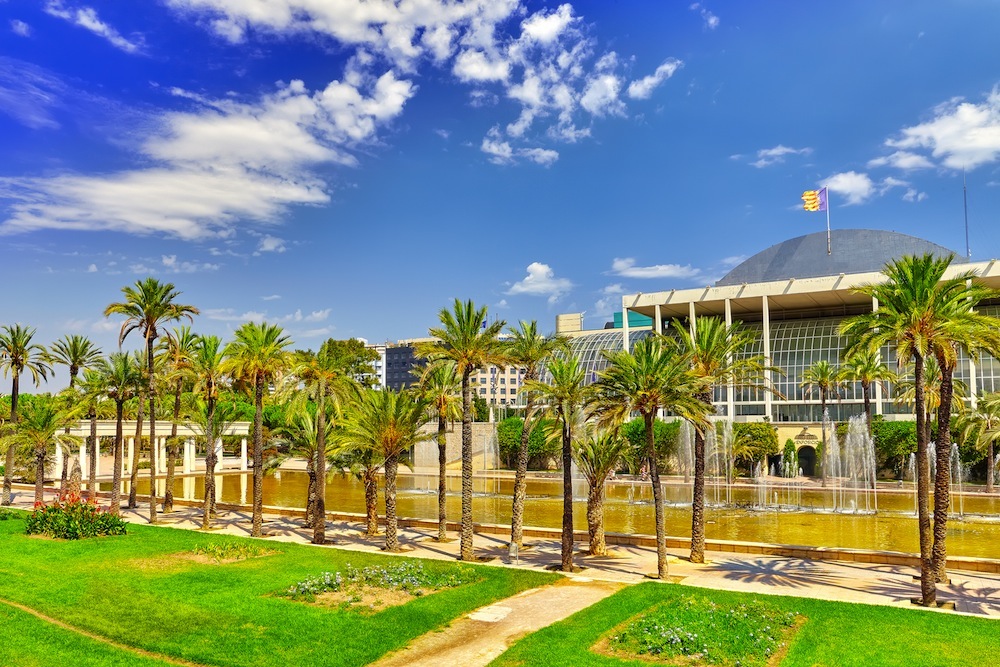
(853, 251)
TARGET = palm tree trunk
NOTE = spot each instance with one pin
(258, 458)
(311, 492)
(442, 443)
(942, 478)
(520, 477)
(822, 421)
(116, 475)
(208, 504)
(567, 517)
(928, 591)
(698, 496)
(168, 494)
(466, 551)
(654, 479)
(64, 473)
(39, 475)
(990, 463)
(370, 481)
(95, 449)
(319, 517)
(595, 518)
(8, 473)
(866, 391)
(391, 466)
(136, 449)
(152, 433)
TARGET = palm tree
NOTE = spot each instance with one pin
(717, 354)
(18, 355)
(564, 396)
(256, 358)
(825, 379)
(388, 423)
(301, 437)
(77, 353)
(865, 366)
(138, 360)
(206, 362)
(923, 314)
(654, 375)
(441, 388)
(365, 465)
(178, 349)
(118, 378)
(91, 391)
(981, 426)
(325, 378)
(42, 427)
(210, 422)
(149, 305)
(527, 349)
(597, 453)
(466, 338)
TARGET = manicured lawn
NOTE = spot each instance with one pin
(835, 634)
(136, 591)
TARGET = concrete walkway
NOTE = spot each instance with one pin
(484, 634)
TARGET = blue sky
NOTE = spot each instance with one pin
(348, 168)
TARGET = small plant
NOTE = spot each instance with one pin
(72, 518)
(230, 551)
(410, 577)
(743, 635)
(7, 515)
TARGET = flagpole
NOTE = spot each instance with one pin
(828, 249)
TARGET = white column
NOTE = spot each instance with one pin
(243, 489)
(187, 485)
(127, 463)
(691, 319)
(767, 356)
(218, 452)
(730, 389)
(658, 324)
(625, 341)
(97, 456)
(243, 454)
(83, 459)
(162, 456)
(188, 456)
(59, 459)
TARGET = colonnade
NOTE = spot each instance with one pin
(188, 464)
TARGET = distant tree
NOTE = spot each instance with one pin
(19, 355)
(441, 387)
(597, 453)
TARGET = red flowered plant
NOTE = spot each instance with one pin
(70, 517)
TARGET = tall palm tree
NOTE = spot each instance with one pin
(654, 375)
(138, 360)
(924, 313)
(255, 358)
(91, 391)
(42, 427)
(118, 377)
(210, 423)
(442, 388)
(597, 453)
(388, 423)
(19, 355)
(981, 426)
(865, 366)
(148, 306)
(825, 379)
(564, 396)
(327, 382)
(77, 353)
(466, 338)
(303, 440)
(206, 368)
(717, 354)
(178, 347)
(527, 349)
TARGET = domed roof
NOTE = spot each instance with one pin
(853, 251)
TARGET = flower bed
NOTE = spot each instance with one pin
(72, 518)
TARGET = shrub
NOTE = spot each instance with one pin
(540, 449)
(223, 551)
(71, 518)
(408, 576)
(7, 515)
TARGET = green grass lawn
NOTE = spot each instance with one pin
(835, 634)
(134, 590)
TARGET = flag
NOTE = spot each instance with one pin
(815, 200)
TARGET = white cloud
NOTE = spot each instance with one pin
(20, 28)
(616, 288)
(270, 297)
(913, 195)
(86, 17)
(901, 160)
(546, 28)
(220, 164)
(541, 281)
(642, 89)
(960, 135)
(542, 156)
(92, 268)
(231, 315)
(270, 243)
(769, 156)
(501, 152)
(625, 266)
(711, 21)
(854, 187)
